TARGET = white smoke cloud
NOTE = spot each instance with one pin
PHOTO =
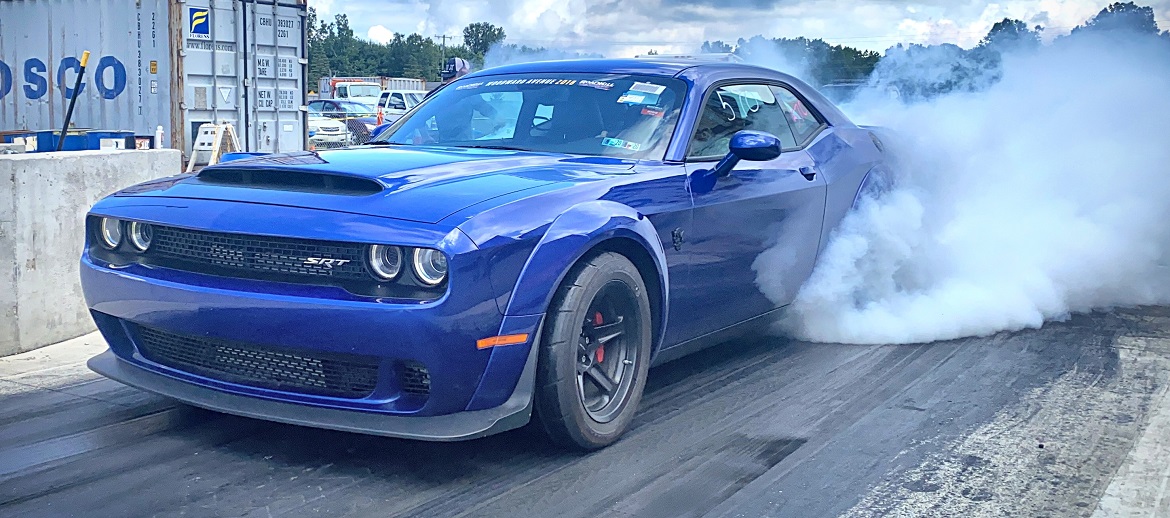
(1045, 194)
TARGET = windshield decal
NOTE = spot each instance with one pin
(622, 144)
(630, 98)
(636, 98)
(649, 88)
(600, 85)
(535, 81)
(469, 86)
(653, 111)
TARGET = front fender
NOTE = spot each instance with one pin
(568, 238)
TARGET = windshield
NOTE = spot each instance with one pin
(355, 108)
(364, 90)
(588, 114)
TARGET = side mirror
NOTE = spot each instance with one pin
(398, 106)
(754, 146)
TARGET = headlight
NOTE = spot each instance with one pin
(141, 234)
(385, 262)
(430, 266)
(110, 232)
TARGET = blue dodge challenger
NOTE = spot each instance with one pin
(523, 246)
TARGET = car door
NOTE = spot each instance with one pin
(755, 234)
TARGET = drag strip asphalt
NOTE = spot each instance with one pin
(1038, 422)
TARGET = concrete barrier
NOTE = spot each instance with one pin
(43, 200)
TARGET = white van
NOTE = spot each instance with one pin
(392, 104)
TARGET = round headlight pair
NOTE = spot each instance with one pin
(385, 263)
(111, 233)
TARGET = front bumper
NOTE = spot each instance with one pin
(514, 413)
(328, 138)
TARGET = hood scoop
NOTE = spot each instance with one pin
(290, 180)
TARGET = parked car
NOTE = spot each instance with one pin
(394, 103)
(359, 119)
(454, 279)
(325, 132)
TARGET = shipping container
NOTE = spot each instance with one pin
(170, 63)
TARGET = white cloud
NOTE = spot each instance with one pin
(380, 34)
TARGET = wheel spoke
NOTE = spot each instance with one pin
(606, 332)
(603, 334)
(601, 379)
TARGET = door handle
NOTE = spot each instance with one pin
(809, 173)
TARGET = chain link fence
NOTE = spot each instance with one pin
(338, 133)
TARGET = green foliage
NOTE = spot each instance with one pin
(480, 36)
(334, 50)
(715, 47)
(824, 62)
(1120, 16)
(1011, 34)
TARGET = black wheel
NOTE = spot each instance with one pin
(595, 353)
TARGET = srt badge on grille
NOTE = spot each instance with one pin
(326, 262)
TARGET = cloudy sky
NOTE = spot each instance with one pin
(627, 27)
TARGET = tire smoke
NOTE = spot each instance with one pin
(1044, 194)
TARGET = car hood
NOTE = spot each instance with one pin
(415, 183)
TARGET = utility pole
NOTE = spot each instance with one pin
(444, 38)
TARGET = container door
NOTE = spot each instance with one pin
(212, 91)
(275, 74)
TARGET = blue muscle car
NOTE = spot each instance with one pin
(524, 245)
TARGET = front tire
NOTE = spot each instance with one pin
(595, 353)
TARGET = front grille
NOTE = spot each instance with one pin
(257, 256)
(415, 379)
(307, 372)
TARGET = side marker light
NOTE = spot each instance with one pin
(501, 340)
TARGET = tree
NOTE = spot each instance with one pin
(715, 47)
(480, 36)
(318, 32)
(1122, 17)
(1011, 34)
(823, 62)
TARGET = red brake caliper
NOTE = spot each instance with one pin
(600, 350)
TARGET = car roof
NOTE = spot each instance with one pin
(666, 67)
(629, 65)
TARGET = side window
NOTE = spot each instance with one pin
(343, 91)
(396, 99)
(804, 123)
(730, 109)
